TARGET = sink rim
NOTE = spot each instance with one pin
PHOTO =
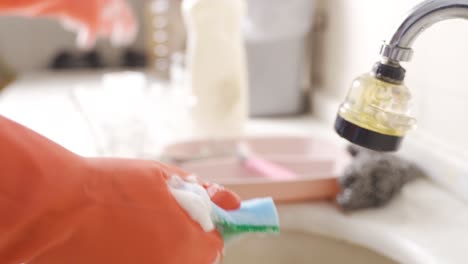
(329, 222)
(338, 246)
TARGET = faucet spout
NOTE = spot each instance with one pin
(376, 111)
(424, 15)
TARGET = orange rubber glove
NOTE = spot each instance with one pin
(57, 207)
(90, 18)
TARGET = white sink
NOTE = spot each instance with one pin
(312, 230)
(298, 248)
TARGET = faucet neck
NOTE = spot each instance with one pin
(424, 15)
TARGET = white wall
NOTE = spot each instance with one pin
(437, 75)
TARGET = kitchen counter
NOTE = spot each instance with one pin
(424, 224)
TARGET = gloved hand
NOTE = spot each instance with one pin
(89, 18)
(57, 207)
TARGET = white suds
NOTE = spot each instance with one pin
(194, 199)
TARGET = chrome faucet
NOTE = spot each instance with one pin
(375, 113)
(420, 18)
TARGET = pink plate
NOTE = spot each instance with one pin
(317, 164)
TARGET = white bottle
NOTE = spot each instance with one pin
(217, 69)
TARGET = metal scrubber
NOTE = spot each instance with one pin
(373, 179)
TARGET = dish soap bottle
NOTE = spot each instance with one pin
(216, 66)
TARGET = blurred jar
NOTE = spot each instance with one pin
(165, 34)
(216, 66)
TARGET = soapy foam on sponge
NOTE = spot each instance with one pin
(194, 200)
(254, 216)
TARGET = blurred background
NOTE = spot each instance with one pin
(302, 64)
